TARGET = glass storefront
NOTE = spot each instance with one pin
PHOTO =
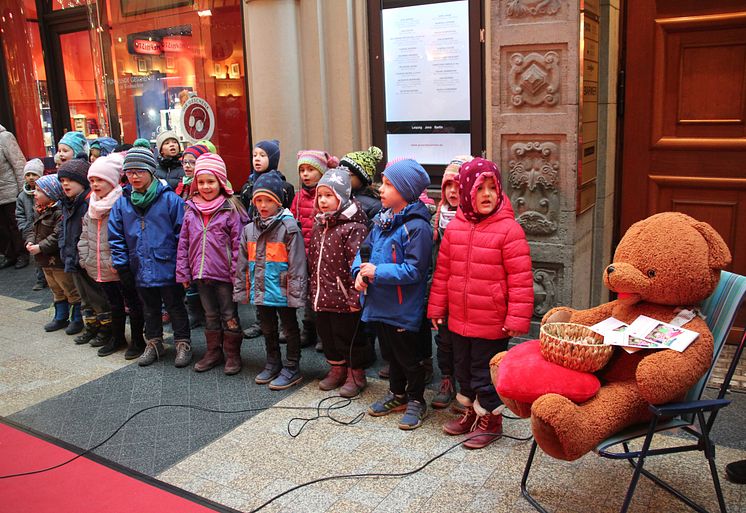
(138, 68)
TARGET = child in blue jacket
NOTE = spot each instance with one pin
(395, 283)
(144, 226)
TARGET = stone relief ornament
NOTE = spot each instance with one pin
(545, 291)
(520, 8)
(534, 79)
(534, 176)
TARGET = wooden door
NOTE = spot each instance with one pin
(684, 136)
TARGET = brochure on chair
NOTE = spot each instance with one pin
(644, 333)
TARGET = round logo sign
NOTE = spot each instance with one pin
(197, 119)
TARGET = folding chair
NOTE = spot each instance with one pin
(720, 311)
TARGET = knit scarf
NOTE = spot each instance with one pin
(187, 180)
(99, 208)
(208, 207)
(143, 200)
(264, 223)
(40, 209)
(29, 192)
(446, 216)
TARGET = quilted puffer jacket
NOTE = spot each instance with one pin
(483, 280)
(94, 250)
(303, 211)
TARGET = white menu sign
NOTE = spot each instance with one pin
(426, 61)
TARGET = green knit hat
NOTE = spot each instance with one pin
(141, 143)
(363, 163)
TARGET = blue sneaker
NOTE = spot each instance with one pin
(388, 404)
(286, 379)
(270, 372)
(413, 417)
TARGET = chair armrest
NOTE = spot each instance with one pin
(671, 409)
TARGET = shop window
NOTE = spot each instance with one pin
(164, 59)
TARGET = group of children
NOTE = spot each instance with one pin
(133, 232)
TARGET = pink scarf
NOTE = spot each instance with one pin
(208, 207)
(98, 208)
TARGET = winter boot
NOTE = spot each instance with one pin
(91, 328)
(354, 384)
(214, 354)
(489, 427)
(76, 320)
(274, 361)
(61, 315)
(104, 330)
(153, 351)
(117, 339)
(334, 378)
(136, 345)
(446, 393)
(288, 377)
(461, 425)
(195, 311)
(183, 353)
(308, 334)
(232, 349)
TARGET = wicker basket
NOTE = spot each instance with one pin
(574, 346)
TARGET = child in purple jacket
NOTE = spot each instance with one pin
(207, 254)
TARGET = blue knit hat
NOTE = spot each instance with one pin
(272, 148)
(139, 158)
(269, 184)
(76, 170)
(408, 177)
(76, 141)
(105, 145)
(51, 186)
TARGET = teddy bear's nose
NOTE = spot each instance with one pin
(610, 269)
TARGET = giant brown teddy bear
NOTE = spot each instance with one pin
(667, 261)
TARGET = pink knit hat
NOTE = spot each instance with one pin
(321, 161)
(212, 163)
(108, 168)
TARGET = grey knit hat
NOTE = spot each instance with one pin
(139, 158)
(338, 180)
(34, 166)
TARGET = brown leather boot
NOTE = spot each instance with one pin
(214, 354)
(489, 428)
(232, 351)
(334, 378)
(354, 384)
(461, 425)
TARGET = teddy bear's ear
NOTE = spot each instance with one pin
(719, 253)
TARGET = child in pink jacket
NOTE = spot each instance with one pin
(483, 284)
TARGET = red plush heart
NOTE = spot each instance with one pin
(524, 375)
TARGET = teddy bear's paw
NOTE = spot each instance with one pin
(558, 314)
(557, 423)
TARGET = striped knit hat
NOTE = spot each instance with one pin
(50, 185)
(196, 150)
(139, 158)
(213, 164)
(269, 184)
(321, 161)
(363, 163)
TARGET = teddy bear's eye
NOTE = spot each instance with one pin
(651, 273)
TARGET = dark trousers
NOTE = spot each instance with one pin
(268, 322)
(444, 351)
(120, 296)
(93, 299)
(173, 297)
(11, 244)
(217, 301)
(425, 343)
(472, 361)
(402, 349)
(343, 338)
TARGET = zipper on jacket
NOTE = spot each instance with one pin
(98, 249)
(342, 288)
(318, 270)
(398, 287)
(204, 244)
(468, 269)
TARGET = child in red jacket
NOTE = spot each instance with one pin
(483, 284)
(312, 164)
